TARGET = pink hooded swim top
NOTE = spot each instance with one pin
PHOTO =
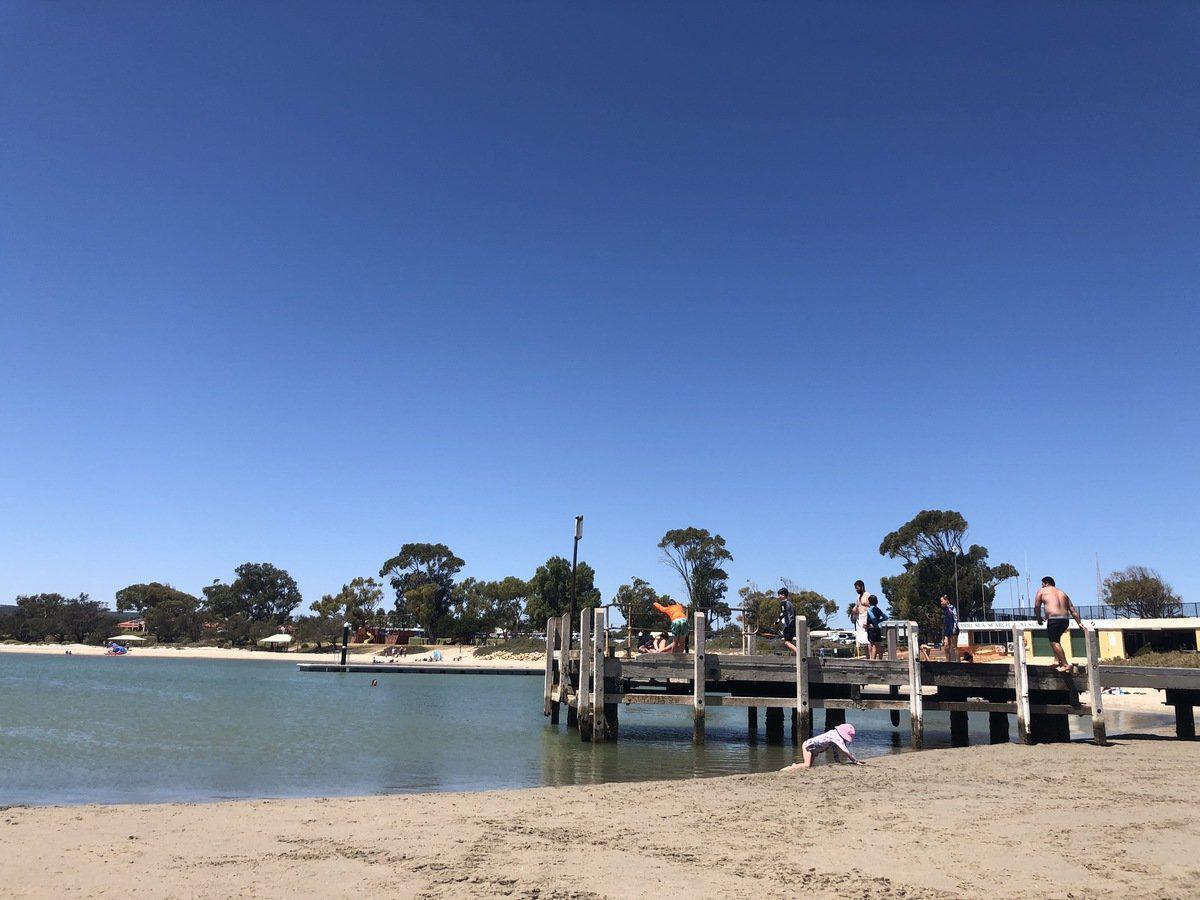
(846, 731)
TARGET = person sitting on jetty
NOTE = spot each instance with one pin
(833, 740)
(949, 628)
(1059, 610)
(645, 642)
(679, 623)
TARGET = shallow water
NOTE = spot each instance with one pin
(116, 730)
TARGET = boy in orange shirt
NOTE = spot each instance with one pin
(679, 623)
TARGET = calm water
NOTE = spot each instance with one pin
(94, 729)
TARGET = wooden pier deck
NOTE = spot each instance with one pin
(593, 682)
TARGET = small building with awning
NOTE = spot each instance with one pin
(279, 641)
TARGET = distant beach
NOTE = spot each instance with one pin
(451, 656)
(1004, 821)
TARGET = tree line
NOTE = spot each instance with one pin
(426, 592)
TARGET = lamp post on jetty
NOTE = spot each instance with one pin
(574, 564)
(573, 711)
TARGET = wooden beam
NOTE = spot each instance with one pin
(1021, 680)
(803, 704)
(1095, 691)
(599, 648)
(548, 687)
(915, 716)
(1156, 677)
(583, 692)
(1185, 722)
(698, 676)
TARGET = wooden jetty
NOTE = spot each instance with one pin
(418, 669)
(593, 682)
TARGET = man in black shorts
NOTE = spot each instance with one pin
(1059, 610)
(874, 632)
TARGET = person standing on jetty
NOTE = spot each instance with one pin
(679, 624)
(1059, 610)
(861, 642)
(949, 629)
(787, 619)
(875, 619)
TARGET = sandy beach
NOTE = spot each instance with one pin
(1005, 821)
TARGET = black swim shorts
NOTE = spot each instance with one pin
(1056, 626)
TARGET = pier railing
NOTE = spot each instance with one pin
(593, 682)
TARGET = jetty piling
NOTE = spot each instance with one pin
(802, 717)
(915, 700)
(564, 669)
(1021, 686)
(699, 680)
(599, 652)
(1095, 691)
(586, 657)
(549, 708)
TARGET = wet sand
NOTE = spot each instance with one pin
(1004, 821)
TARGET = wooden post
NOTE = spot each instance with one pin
(834, 718)
(583, 693)
(998, 727)
(1095, 689)
(1021, 682)
(1185, 722)
(548, 688)
(915, 716)
(599, 652)
(774, 725)
(698, 683)
(960, 733)
(564, 671)
(803, 699)
(893, 690)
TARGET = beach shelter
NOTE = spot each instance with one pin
(276, 641)
(125, 639)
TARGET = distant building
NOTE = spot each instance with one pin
(1118, 638)
(132, 625)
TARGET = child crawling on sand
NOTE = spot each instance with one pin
(833, 740)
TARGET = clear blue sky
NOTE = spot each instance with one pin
(301, 282)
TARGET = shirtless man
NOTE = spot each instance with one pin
(1059, 610)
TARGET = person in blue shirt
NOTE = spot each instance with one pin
(949, 629)
(875, 618)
